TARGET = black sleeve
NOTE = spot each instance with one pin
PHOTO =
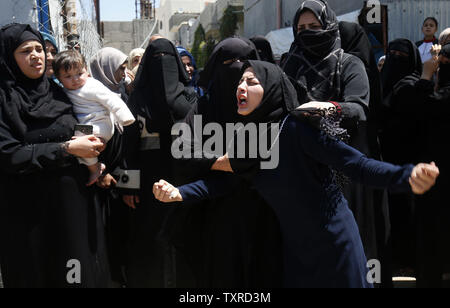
(196, 165)
(177, 100)
(19, 158)
(355, 91)
(411, 95)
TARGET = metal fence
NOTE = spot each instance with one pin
(406, 17)
(71, 22)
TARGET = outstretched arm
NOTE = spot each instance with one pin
(338, 155)
(217, 185)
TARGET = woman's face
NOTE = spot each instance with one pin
(188, 66)
(429, 28)
(249, 93)
(399, 53)
(308, 21)
(51, 53)
(120, 73)
(135, 61)
(30, 57)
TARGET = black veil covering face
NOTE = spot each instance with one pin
(160, 64)
(221, 75)
(315, 59)
(48, 215)
(397, 67)
(264, 49)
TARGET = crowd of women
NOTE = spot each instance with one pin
(314, 221)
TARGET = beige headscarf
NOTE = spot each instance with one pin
(444, 37)
(104, 64)
(134, 53)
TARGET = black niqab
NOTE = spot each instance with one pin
(397, 67)
(159, 86)
(221, 80)
(264, 48)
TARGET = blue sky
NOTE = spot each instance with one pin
(118, 10)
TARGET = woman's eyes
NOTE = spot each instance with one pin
(30, 50)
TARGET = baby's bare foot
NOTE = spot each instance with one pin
(95, 172)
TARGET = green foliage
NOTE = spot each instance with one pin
(199, 39)
(228, 25)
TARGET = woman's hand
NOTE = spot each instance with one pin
(326, 108)
(423, 177)
(85, 146)
(222, 164)
(131, 200)
(435, 50)
(430, 67)
(106, 181)
(130, 86)
(166, 192)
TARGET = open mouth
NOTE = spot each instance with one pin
(242, 100)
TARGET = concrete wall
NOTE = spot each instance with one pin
(261, 16)
(405, 17)
(126, 36)
(168, 7)
(20, 11)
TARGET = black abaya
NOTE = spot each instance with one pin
(48, 215)
(159, 100)
(372, 210)
(400, 132)
(242, 243)
(430, 108)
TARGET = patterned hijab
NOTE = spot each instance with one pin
(314, 61)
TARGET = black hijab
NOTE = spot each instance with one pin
(279, 97)
(279, 100)
(159, 87)
(26, 100)
(314, 62)
(264, 49)
(399, 68)
(221, 80)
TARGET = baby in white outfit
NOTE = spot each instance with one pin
(93, 103)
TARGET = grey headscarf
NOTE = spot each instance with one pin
(104, 64)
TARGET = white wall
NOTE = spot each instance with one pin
(169, 7)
